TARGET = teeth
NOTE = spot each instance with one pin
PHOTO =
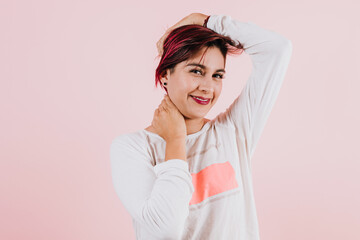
(201, 99)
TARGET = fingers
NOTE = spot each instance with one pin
(159, 43)
(162, 107)
(167, 100)
(165, 105)
(160, 48)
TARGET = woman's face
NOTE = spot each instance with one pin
(190, 79)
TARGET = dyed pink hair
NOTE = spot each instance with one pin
(186, 41)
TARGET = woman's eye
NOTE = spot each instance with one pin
(195, 70)
(220, 76)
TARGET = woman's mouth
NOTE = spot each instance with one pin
(200, 101)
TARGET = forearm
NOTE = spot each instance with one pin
(175, 149)
(198, 18)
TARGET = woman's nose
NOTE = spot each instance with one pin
(206, 84)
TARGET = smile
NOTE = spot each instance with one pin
(199, 101)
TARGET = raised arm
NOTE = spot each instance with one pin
(270, 53)
(157, 196)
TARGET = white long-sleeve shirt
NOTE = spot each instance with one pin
(209, 196)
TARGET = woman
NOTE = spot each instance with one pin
(185, 176)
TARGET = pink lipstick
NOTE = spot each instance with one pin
(200, 101)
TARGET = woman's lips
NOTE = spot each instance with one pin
(200, 102)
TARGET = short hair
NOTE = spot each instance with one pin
(186, 41)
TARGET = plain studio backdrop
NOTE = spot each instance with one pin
(76, 74)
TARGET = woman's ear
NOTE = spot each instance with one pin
(165, 77)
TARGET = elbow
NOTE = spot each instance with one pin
(168, 226)
(279, 43)
(287, 49)
(175, 228)
(173, 232)
(285, 45)
(168, 232)
(282, 46)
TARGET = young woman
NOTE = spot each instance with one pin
(185, 176)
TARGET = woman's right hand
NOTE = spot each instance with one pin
(168, 121)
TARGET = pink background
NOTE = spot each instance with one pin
(76, 74)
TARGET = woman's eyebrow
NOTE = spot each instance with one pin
(202, 66)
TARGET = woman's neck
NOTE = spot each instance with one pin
(192, 126)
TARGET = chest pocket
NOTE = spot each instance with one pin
(213, 180)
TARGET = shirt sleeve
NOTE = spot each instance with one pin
(157, 196)
(270, 54)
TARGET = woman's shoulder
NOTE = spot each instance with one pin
(131, 148)
(130, 139)
(131, 145)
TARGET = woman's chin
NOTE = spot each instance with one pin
(194, 116)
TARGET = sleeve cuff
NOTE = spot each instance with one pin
(177, 163)
(211, 22)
